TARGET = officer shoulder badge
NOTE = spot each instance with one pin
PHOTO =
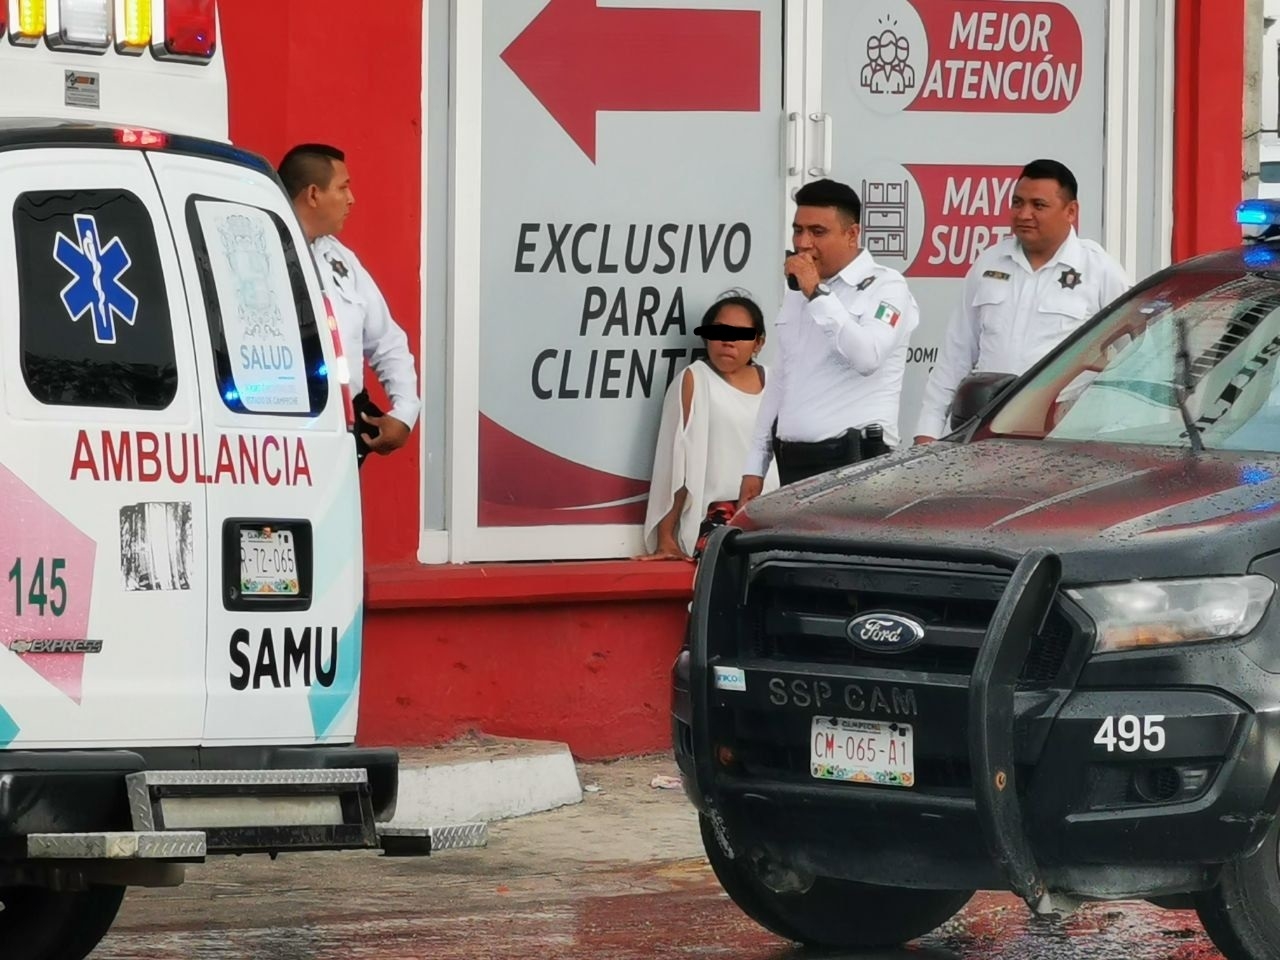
(338, 267)
(866, 282)
(996, 275)
(1070, 278)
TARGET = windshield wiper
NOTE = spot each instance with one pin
(1182, 384)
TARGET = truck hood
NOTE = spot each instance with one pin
(1111, 511)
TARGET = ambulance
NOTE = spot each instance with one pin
(180, 615)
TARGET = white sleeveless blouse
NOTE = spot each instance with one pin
(706, 456)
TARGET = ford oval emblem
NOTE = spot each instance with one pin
(885, 632)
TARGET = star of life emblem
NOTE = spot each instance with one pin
(95, 287)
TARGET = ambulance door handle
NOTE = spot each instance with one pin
(793, 161)
(824, 121)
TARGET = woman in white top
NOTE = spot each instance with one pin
(708, 418)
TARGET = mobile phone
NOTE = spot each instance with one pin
(792, 282)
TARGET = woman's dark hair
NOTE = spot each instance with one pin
(746, 303)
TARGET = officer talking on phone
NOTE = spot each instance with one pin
(832, 397)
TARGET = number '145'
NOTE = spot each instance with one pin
(54, 597)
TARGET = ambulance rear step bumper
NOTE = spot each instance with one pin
(189, 846)
(257, 811)
(399, 840)
(177, 845)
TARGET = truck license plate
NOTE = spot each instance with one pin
(268, 562)
(862, 751)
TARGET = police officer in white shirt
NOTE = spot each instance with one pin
(1025, 294)
(832, 397)
(316, 178)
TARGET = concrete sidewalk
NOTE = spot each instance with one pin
(480, 779)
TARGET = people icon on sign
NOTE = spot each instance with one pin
(888, 68)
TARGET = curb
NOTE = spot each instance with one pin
(484, 779)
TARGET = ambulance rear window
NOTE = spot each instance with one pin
(267, 347)
(94, 313)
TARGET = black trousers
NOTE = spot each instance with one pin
(361, 403)
(800, 461)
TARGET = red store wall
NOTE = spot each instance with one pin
(301, 74)
(578, 652)
(1208, 125)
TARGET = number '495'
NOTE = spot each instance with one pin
(1130, 734)
(34, 592)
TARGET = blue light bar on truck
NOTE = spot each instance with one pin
(1258, 213)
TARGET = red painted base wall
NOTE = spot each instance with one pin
(595, 676)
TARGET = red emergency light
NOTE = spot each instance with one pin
(4, 18)
(134, 137)
(190, 28)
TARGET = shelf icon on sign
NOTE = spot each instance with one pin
(886, 217)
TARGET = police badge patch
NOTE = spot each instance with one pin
(338, 267)
(1070, 278)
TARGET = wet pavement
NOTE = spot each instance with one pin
(620, 876)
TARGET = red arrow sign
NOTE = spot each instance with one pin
(577, 59)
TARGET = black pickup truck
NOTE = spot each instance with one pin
(1040, 655)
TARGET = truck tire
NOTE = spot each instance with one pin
(92, 915)
(39, 924)
(833, 913)
(1242, 913)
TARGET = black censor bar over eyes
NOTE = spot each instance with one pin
(723, 331)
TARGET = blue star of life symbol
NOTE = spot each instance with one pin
(96, 271)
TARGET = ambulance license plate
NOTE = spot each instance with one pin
(862, 751)
(268, 562)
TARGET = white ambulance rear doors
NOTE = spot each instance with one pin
(284, 537)
(103, 533)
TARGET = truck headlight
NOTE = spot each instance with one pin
(1154, 613)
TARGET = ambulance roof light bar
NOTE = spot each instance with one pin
(185, 30)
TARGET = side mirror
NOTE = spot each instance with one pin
(974, 393)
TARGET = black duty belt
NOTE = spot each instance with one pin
(799, 460)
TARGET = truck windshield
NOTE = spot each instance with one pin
(1119, 382)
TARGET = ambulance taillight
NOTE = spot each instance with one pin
(190, 30)
(341, 370)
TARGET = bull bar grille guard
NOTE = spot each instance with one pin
(1019, 616)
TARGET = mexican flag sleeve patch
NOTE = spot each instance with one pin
(888, 313)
